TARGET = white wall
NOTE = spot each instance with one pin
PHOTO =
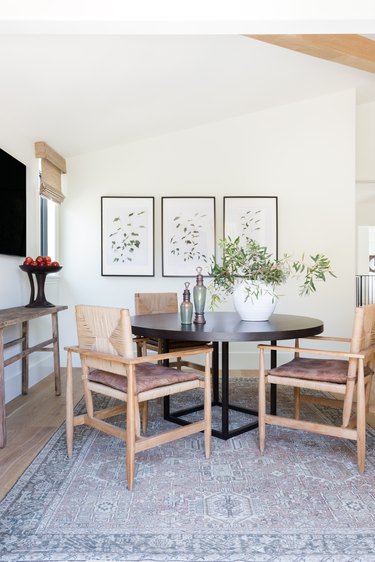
(365, 187)
(14, 284)
(366, 142)
(365, 203)
(303, 153)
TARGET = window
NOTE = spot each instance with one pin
(51, 166)
(49, 214)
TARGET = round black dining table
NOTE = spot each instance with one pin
(221, 328)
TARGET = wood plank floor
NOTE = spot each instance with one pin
(31, 422)
(33, 419)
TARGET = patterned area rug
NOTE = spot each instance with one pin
(302, 500)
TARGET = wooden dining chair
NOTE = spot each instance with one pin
(110, 367)
(330, 371)
(158, 303)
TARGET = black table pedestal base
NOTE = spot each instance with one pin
(225, 432)
(176, 417)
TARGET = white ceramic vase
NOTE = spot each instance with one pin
(254, 308)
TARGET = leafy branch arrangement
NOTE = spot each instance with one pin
(125, 239)
(186, 240)
(247, 260)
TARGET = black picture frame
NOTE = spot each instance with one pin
(127, 236)
(188, 235)
(252, 216)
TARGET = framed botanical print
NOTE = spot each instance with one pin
(252, 217)
(128, 236)
(188, 235)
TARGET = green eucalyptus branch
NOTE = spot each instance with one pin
(247, 260)
(317, 271)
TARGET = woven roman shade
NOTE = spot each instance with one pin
(53, 165)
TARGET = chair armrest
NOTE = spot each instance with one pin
(312, 351)
(327, 338)
(170, 355)
(138, 360)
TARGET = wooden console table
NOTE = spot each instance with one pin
(22, 315)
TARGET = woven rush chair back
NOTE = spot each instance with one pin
(106, 330)
(155, 303)
(111, 368)
(363, 335)
(160, 303)
(333, 371)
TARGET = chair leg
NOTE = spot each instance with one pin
(69, 406)
(137, 419)
(297, 403)
(160, 349)
(348, 402)
(262, 403)
(361, 419)
(87, 393)
(138, 408)
(130, 428)
(368, 392)
(207, 408)
(144, 416)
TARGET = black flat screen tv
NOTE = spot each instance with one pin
(12, 206)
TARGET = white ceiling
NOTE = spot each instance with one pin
(85, 92)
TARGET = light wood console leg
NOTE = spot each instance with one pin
(69, 406)
(56, 353)
(25, 359)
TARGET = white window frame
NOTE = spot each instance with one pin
(49, 228)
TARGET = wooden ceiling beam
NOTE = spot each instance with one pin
(351, 50)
